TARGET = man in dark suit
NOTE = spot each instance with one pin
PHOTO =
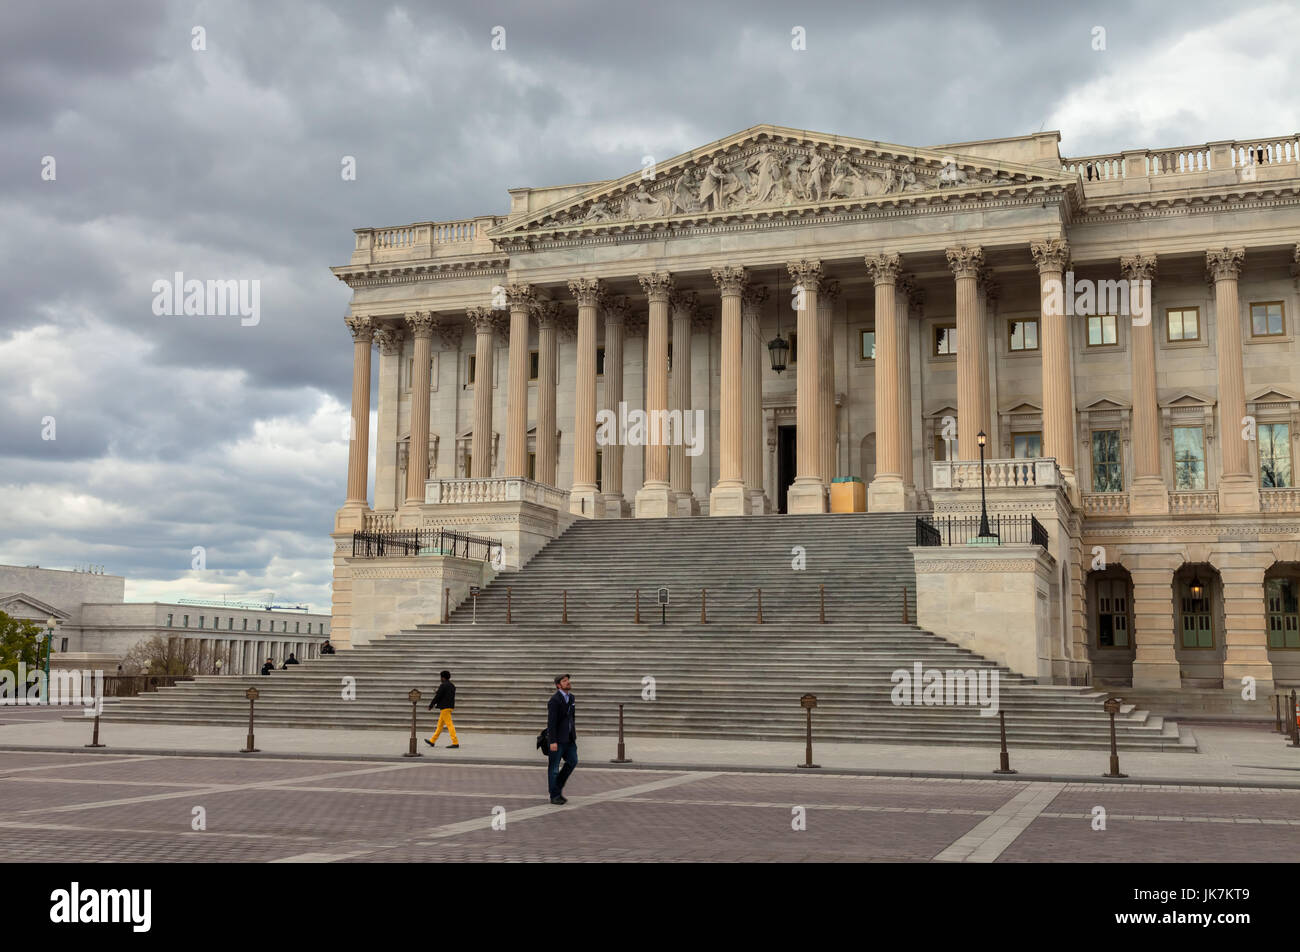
(563, 737)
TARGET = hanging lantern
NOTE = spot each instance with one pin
(778, 348)
(1196, 589)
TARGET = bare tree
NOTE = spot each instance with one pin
(178, 657)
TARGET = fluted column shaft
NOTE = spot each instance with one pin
(808, 376)
(826, 385)
(971, 376)
(417, 458)
(359, 431)
(658, 287)
(889, 461)
(520, 297)
(1146, 432)
(1052, 257)
(731, 281)
(613, 468)
(751, 306)
(587, 291)
(906, 298)
(481, 443)
(546, 454)
(682, 306)
(1225, 266)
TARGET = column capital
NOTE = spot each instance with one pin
(1138, 267)
(702, 318)
(484, 319)
(829, 292)
(683, 304)
(808, 274)
(362, 326)
(658, 285)
(451, 334)
(730, 280)
(421, 324)
(615, 310)
(965, 261)
(1295, 268)
(520, 296)
(389, 339)
(1225, 264)
(752, 299)
(547, 314)
(1050, 254)
(885, 268)
(588, 291)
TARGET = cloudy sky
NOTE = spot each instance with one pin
(127, 155)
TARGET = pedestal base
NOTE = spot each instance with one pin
(1238, 494)
(1156, 674)
(613, 506)
(1148, 497)
(654, 501)
(732, 500)
(887, 494)
(806, 495)
(686, 504)
(757, 501)
(584, 501)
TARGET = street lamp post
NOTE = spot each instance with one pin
(984, 509)
(50, 624)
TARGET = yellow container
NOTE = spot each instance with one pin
(848, 495)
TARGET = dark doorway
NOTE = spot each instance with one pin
(785, 463)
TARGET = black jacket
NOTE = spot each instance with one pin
(560, 727)
(444, 697)
(268, 667)
(327, 648)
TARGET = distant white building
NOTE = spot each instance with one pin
(97, 627)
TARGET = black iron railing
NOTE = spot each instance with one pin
(405, 542)
(960, 530)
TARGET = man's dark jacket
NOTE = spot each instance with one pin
(444, 697)
(559, 719)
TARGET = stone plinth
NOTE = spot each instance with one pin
(393, 594)
(994, 600)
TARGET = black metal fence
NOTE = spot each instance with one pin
(960, 530)
(132, 685)
(405, 542)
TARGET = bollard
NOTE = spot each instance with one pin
(1277, 711)
(252, 695)
(1295, 722)
(622, 757)
(905, 621)
(821, 595)
(1004, 759)
(414, 696)
(760, 606)
(1111, 707)
(808, 702)
(507, 604)
(564, 620)
(704, 606)
(636, 619)
(94, 740)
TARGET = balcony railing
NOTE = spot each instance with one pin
(401, 543)
(998, 473)
(965, 530)
(1193, 502)
(494, 489)
(1189, 158)
(1105, 504)
(424, 239)
(1279, 500)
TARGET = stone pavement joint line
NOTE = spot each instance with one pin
(990, 837)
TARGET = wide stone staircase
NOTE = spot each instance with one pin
(572, 610)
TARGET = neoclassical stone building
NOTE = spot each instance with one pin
(1121, 328)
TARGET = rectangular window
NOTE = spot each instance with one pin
(532, 466)
(169, 621)
(245, 624)
(1102, 331)
(1274, 455)
(945, 340)
(63, 646)
(940, 449)
(1183, 323)
(1197, 623)
(297, 627)
(1023, 335)
(600, 361)
(1112, 614)
(284, 627)
(534, 364)
(1189, 458)
(1027, 445)
(469, 368)
(1280, 598)
(1267, 319)
(200, 621)
(794, 348)
(309, 628)
(185, 620)
(259, 624)
(1107, 473)
(230, 624)
(469, 463)
(868, 345)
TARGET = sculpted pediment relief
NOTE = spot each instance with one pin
(768, 170)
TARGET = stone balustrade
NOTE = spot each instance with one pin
(424, 239)
(1279, 500)
(494, 489)
(998, 473)
(1194, 502)
(1182, 159)
(1105, 504)
(379, 522)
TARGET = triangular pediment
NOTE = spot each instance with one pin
(1023, 407)
(22, 605)
(1272, 395)
(771, 171)
(1106, 403)
(1189, 398)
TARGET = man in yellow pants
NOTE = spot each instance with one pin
(444, 700)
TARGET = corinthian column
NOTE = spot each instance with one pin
(1238, 491)
(547, 313)
(683, 306)
(521, 299)
(907, 300)
(807, 492)
(1052, 257)
(752, 300)
(359, 431)
(582, 497)
(421, 325)
(388, 495)
(886, 492)
(655, 498)
(1148, 493)
(480, 447)
(728, 497)
(615, 311)
(830, 290)
(972, 377)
